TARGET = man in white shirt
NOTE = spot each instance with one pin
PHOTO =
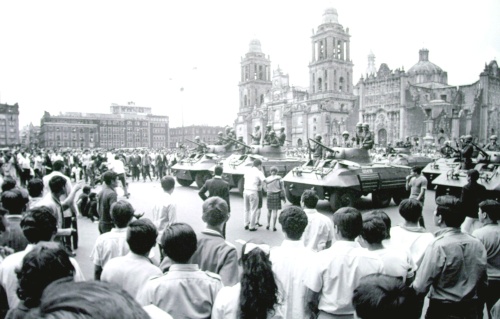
(132, 271)
(117, 166)
(165, 212)
(291, 263)
(253, 183)
(38, 225)
(318, 234)
(337, 271)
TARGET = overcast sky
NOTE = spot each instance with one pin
(82, 56)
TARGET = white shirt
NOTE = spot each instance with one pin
(397, 262)
(46, 180)
(110, 245)
(319, 230)
(117, 166)
(164, 214)
(130, 272)
(8, 277)
(415, 240)
(227, 304)
(337, 271)
(291, 262)
(253, 180)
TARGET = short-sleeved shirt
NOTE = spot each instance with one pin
(106, 197)
(413, 239)
(130, 272)
(110, 245)
(253, 180)
(416, 185)
(184, 291)
(397, 262)
(167, 212)
(319, 230)
(489, 235)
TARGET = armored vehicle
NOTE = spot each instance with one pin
(345, 176)
(488, 166)
(236, 166)
(403, 156)
(438, 167)
(196, 166)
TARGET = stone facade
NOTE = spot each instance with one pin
(208, 134)
(9, 125)
(327, 107)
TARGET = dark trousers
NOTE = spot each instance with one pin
(145, 172)
(492, 294)
(135, 172)
(25, 176)
(471, 309)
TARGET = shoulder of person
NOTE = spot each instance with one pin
(213, 275)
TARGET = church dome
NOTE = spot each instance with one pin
(330, 16)
(424, 66)
(255, 46)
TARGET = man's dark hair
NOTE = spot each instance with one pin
(257, 162)
(39, 224)
(215, 211)
(179, 242)
(416, 169)
(108, 177)
(122, 213)
(410, 209)
(473, 174)
(218, 170)
(492, 208)
(35, 187)
(141, 236)
(448, 207)
(57, 184)
(382, 296)
(92, 195)
(349, 222)
(374, 229)
(13, 201)
(8, 184)
(46, 263)
(378, 213)
(310, 198)
(294, 221)
(86, 189)
(58, 165)
(167, 183)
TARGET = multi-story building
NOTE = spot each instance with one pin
(126, 126)
(326, 108)
(29, 136)
(9, 125)
(208, 134)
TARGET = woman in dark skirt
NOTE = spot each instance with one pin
(274, 189)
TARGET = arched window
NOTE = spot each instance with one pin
(320, 84)
(341, 84)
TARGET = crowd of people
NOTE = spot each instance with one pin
(352, 265)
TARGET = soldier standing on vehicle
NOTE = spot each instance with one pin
(317, 150)
(267, 135)
(241, 148)
(446, 150)
(359, 135)
(202, 146)
(467, 150)
(492, 145)
(346, 142)
(221, 140)
(367, 143)
(282, 137)
(256, 136)
(274, 140)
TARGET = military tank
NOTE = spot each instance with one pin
(438, 167)
(403, 156)
(236, 165)
(196, 167)
(345, 176)
(487, 164)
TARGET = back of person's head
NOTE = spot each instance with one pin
(218, 170)
(310, 198)
(410, 209)
(348, 222)
(92, 195)
(215, 211)
(108, 177)
(86, 300)
(122, 213)
(8, 184)
(492, 208)
(167, 183)
(473, 175)
(86, 189)
(179, 242)
(257, 162)
(38, 224)
(58, 165)
(382, 296)
(274, 169)
(141, 236)
(417, 169)
(378, 213)
(35, 187)
(293, 220)
(46, 263)
(117, 157)
(374, 230)
(259, 291)
(57, 184)
(13, 201)
(448, 207)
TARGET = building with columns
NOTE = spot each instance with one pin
(327, 107)
(421, 105)
(9, 125)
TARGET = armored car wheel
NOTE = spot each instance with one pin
(295, 200)
(201, 178)
(342, 198)
(184, 182)
(381, 198)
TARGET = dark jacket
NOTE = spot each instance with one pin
(216, 187)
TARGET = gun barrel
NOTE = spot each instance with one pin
(239, 142)
(480, 149)
(193, 142)
(324, 146)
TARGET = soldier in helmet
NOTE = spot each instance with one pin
(316, 149)
(446, 150)
(256, 136)
(221, 140)
(273, 139)
(240, 148)
(407, 143)
(367, 142)
(201, 146)
(492, 145)
(267, 135)
(389, 149)
(359, 134)
(282, 136)
(346, 142)
(467, 150)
